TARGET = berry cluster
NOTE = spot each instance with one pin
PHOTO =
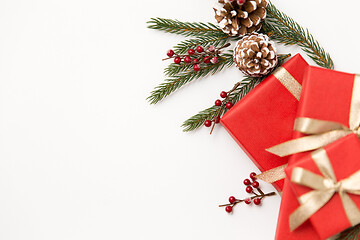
(251, 186)
(197, 58)
(221, 104)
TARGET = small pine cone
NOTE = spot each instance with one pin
(240, 17)
(255, 55)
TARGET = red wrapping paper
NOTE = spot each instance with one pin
(343, 155)
(265, 117)
(317, 94)
(288, 205)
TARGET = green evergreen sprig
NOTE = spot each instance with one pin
(239, 91)
(284, 29)
(179, 77)
(185, 28)
(185, 45)
(277, 25)
(350, 234)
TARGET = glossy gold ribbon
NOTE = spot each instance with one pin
(321, 133)
(324, 187)
(288, 81)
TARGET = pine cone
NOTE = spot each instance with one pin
(255, 55)
(240, 17)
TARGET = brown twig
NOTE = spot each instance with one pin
(262, 195)
(223, 104)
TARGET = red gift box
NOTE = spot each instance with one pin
(265, 117)
(326, 91)
(343, 155)
(288, 205)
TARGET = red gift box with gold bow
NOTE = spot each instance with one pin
(327, 184)
(328, 112)
(272, 106)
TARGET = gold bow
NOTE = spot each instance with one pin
(325, 187)
(321, 133)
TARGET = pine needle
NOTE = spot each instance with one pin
(185, 28)
(284, 29)
(185, 45)
(350, 234)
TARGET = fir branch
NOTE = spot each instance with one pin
(350, 234)
(185, 45)
(284, 29)
(196, 121)
(178, 80)
(239, 91)
(185, 28)
(173, 69)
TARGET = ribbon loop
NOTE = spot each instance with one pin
(314, 126)
(308, 143)
(324, 188)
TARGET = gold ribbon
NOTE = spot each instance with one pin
(288, 81)
(321, 133)
(324, 187)
(273, 175)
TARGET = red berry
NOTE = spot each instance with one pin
(214, 60)
(212, 48)
(195, 60)
(248, 201)
(247, 182)
(196, 67)
(232, 199)
(229, 105)
(257, 201)
(170, 53)
(228, 209)
(187, 59)
(199, 49)
(218, 103)
(241, 2)
(223, 94)
(255, 184)
(252, 176)
(191, 51)
(249, 189)
(177, 60)
(207, 123)
(217, 120)
(207, 60)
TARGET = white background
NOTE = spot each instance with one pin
(84, 156)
